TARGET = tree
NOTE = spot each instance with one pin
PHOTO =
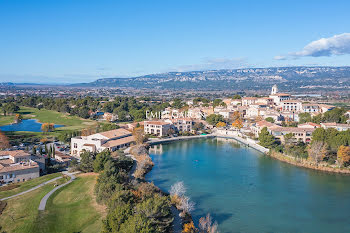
(270, 119)
(266, 139)
(4, 142)
(18, 118)
(220, 124)
(319, 135)
(213, 119)
(206, 224)
(236, 97)
(304, 117)
(47, 127)
(101, 159)
(317, 151)
(10, 108)
(343, 155)
(189, 228)
(198, 126)
(86, 162)
(139, 135)
(178, 189)
(237, 123)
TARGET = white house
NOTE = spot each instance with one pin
(111, 140)
(159, 128)
(337, 126)
(16, 166)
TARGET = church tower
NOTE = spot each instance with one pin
(274, 90)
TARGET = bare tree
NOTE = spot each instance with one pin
(317, 150)
(206, 224)
(178, 189)
(187, 205)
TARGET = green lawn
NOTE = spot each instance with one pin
(23, 186)
(49, 116)
(20, 214)
(72, 209)
(6, 120)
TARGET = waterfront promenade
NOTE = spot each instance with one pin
(219, 133)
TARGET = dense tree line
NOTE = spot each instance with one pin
(126, 108)
(334, 115)
(132, 206)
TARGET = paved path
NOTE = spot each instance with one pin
(29, 190)
(43, 201)
(153, 141)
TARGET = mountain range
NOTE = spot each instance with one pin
(289, 78)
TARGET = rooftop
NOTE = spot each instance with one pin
(115, 133)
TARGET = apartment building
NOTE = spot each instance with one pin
(291, 105)
(181, 124)
(300, 134)
(16, 166)
(111, 140)
(159, 128)
(246, 101)
(337, 126)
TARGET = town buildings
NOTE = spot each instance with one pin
(16, 166)
(111, 140)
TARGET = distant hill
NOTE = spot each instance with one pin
(290, 78)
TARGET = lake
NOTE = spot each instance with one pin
(29, 125)
(246, 191)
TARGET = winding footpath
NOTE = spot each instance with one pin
(43, 201)
(31, 189)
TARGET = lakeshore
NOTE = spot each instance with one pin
(249, 184)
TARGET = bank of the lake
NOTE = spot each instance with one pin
(247, 191)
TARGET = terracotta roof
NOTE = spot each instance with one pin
(118, 142)
(335, 124)
(115, 133)
(249, 98)
(309, 123)
(15, 153)
(291, 129)
(265, 124)
(291, 101)
(7, 165)
(157, 123)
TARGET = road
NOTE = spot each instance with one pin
(29, 190)
(43, 201)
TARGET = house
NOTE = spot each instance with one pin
(300, 134)
(325, 108)
(278, 97)
(309, 125)
(227, 114)
(291, 105)
(258, 126)
(310, 108)
(181, 124)
(159, 128)
(63, 158)
(16, 166)
(246, 101)
(111, 140)
(337, 126)
(110, 117)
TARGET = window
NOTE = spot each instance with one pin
(75, 145)
(1, 177)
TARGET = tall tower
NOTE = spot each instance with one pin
(274, 90)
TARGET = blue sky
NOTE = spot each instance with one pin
(67, 41)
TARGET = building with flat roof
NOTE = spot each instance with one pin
(16, 166)
(111, 140)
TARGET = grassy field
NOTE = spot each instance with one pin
(49, 116)
(23, 186)
(21, 212)
(72, 209)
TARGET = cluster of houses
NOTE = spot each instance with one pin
(16, 166)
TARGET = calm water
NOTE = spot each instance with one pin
(246, 191)
(30, 125)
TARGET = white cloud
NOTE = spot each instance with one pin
(325, 47)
